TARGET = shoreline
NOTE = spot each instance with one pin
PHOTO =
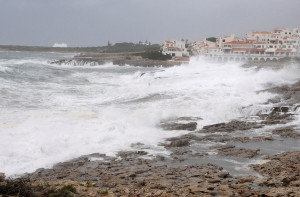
(183, 172)
(121, 59)
(133, 59)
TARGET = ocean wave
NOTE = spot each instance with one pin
(59, 112)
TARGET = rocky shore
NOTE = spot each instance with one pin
(121, 59)
(224, 159)
(135, 59)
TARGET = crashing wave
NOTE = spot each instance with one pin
(73, 62)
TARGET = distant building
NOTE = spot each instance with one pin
(222, 40)
(257, 45)
(61, 45)
(175, 48)
(205, 47)
(145, 43)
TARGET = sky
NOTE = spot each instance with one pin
(95, 22)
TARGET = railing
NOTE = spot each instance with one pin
(253, 55)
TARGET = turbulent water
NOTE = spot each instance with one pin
(52, 113)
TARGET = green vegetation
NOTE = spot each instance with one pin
(66, 191)
(212, 39)
(117, 48)
(17, 187)
(154, 55)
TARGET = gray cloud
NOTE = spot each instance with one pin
(94, 22)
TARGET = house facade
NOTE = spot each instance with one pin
(257, 45)
(175, 48)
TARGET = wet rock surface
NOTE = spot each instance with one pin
(230, 150)
(283, 166)
(286, 132)
(134, 176)
(191, 126)
(253, 139)
(229, 127)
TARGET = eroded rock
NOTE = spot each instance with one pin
(253, 139)
(179, 143)
(179, 126)
(286, 132)
(229, 127)
(230, 150)
(282, 169)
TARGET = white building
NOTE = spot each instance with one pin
(257, 45)
(175, 48)
(205, 47)
(222, 40)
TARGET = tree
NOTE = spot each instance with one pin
(212, 39)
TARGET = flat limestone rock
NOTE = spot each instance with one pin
(286, 132)
(229, 127)
(282, 169)
(180, 126)
(230, 150)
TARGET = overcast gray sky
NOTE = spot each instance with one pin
(95, 22)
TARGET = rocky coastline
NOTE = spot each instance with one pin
(189, 169)
(135, 59)
(120, 59)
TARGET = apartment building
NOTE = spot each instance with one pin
(175, 48)
(257, 45)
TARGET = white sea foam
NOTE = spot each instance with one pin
(82, 110)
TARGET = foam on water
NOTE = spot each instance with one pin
(51, 113)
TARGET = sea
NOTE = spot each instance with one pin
(51, 113)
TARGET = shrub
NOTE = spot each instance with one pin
(154, 55)
(65, 191)
(17, 187)
(211, 39)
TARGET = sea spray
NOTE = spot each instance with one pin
(53, 113)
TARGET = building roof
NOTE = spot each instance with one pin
(261, 32)
(238, 42)
(169, 42)
(283, 50)
(207, 47)
(259, 43)
(172, 47)
(247, 49)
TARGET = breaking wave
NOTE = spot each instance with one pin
(52, 113)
